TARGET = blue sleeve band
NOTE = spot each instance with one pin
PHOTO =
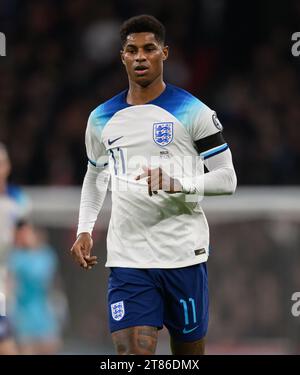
(95, 164)
(92, 162)
(215, 151)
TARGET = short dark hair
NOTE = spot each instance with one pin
(141, 24)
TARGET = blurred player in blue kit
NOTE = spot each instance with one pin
(14, 205)
(32, 269)
(146, 141)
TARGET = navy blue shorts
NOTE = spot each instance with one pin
(176, 298)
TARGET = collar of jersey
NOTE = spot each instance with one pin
(153, 101)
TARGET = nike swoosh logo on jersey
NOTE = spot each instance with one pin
(189, 330)
(114, 140)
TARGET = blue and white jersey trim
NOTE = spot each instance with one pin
(214, 151)
(103, 165)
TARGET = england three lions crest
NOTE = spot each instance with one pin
(163, 133)
(117, 310)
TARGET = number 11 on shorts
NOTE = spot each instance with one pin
(185, 310)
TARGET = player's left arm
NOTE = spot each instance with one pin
(207, 134)
(221, 177)
(213, 149)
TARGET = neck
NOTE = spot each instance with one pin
(138, 94)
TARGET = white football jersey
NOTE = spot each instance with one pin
(164, 230)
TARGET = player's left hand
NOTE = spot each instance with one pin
(157, 180)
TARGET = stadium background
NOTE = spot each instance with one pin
(63, 60)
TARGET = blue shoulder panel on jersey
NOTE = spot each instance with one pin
(104, 112)
(180, 103)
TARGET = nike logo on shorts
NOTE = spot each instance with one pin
(189, 330)
(114, 140)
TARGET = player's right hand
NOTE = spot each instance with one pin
(81, 251)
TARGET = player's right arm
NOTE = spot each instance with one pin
(93, 193)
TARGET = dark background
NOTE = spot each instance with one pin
(63, 60)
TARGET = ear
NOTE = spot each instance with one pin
(165, 52)
(122, 56)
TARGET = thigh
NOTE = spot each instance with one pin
(140, 340)
(133, 300)
(186, 304)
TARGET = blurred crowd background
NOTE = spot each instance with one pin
(63, 60)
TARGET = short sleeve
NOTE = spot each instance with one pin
(205, 123)
(95, 148)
